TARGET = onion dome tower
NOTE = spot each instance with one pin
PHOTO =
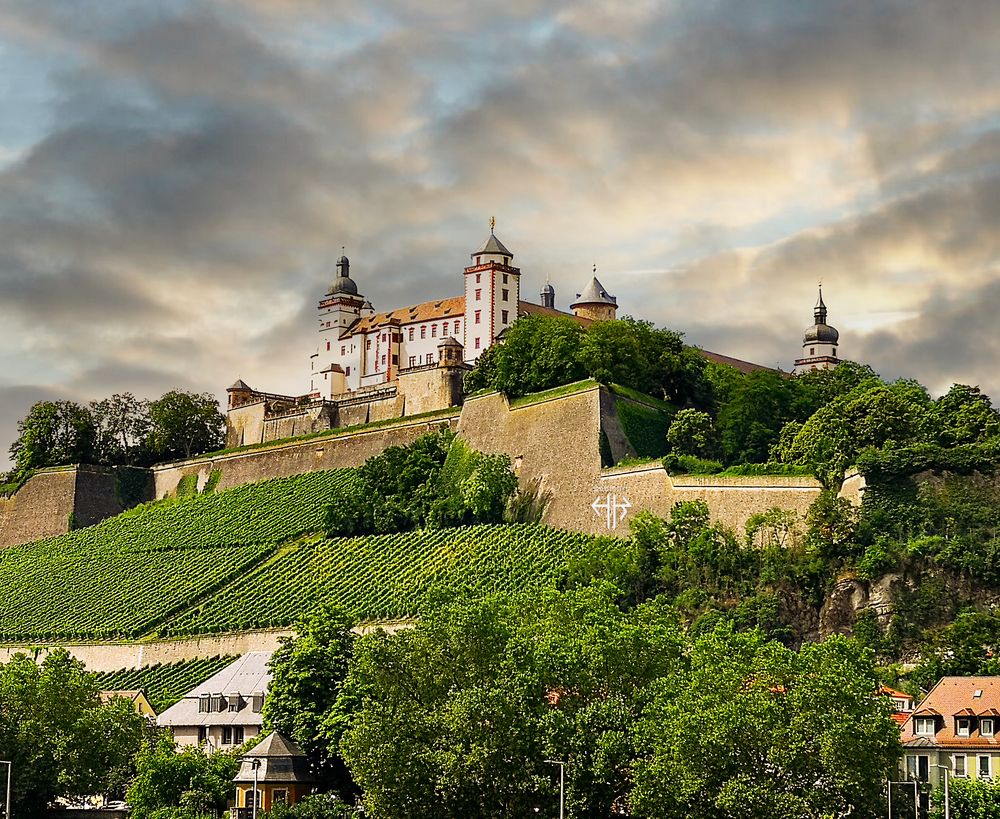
(548, 295)
(819, 342)
(595, 302)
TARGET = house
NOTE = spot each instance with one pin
(954, 729)
(140, 702)
(225, 710)
(278, 768)
(901, 702)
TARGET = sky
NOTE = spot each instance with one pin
(178, 178)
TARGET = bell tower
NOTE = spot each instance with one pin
(492, 295)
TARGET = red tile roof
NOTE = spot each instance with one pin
(951, 696)
(426, 311)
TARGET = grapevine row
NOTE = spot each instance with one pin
(164, 683)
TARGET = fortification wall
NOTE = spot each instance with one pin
(49, 500)
(296, 457)
(556, 442)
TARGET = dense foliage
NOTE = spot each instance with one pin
(164, 683)
(120, 430)
(59, 737)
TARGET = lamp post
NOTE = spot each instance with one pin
(255, 764)
(947, 801)
(562, 785)
(10, 766)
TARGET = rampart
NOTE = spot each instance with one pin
(295, 457)
(54, 500)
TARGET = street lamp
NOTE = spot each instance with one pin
(255, 764)
(10, 766)
(947, 801)
(562, 785)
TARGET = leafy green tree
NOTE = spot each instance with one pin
(60, 738)
(307, 675)
(693, 432)
(169, 777)
(458, 716)
(755, 730)
(963, 415)
(750, 422)
(968, 799)
(123, 426)
(969, 645)
(54, 433)
(185, 423)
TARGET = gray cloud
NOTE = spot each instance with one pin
(174, 216)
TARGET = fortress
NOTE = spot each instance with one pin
(372, 366)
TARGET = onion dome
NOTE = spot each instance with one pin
(820, 332)
(344, 283)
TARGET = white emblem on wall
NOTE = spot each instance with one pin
(611, 509)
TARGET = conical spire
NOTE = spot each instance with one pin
(819, 311)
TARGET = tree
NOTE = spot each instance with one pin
(168, 777)
(538, 352)
(61, 740)
(123, 426)
(755, 730)
(963, 415)
(968, 799)
(750, 421)
(54, 433)
(458, 715)
(185, 423)
(692, 432)
(304, 697)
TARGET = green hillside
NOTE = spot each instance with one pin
(164, 683)
(251, 557)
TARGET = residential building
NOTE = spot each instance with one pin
(280, 771)
(225, 710)
(137, 697)
(954, 729)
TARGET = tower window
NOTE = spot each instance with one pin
(479, 294)
(423, 332)
(368, 344)
(505, 294)
(812, 351)
(347, 371)
(505, 279)
(478, 316)
(477, 343)
(328, 346)
(834, 352)
(343, 349)
(479, 276)
(503, 316)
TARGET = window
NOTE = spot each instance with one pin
(385, 336)
(923, 726)
(279, 796)
(202, 734)
(479, 276)
(410, 335)
(962, 727)
(479, 314)
(395, 360)
(958, 768)
(430, 358)
(238, 735)
(397, 338)
(347, 371)
(423, 332)
(986, 727)
(479, 294)
(456, 331)
(227, 735)
(503, 316)
(812, 351)
(834, 352)
(984, 766)
(505, 280)
(413, 361)
(343, 349)
(328, 346)
(218, 701)
(434, 331)
(235, 701)
(257, 701)
(917, 767)
(368, 344)
(383, 359)
(504, 295)
(477, 343)
(204, 704)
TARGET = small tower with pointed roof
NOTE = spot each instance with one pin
(548, 295)
(595, 302)
(819, 342)
(492, 295)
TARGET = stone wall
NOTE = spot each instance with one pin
(245, 425)
(296, 457)
(44, 506)
(431, 388)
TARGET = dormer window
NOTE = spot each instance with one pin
(962, 726)
(923, 726)
(986, 727)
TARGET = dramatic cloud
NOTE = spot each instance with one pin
(177, 178)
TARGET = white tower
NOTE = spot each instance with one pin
(338, 310)
(819, 342)
(492, 295)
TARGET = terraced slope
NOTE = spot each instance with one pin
(381, 576)
(164, 683)
(251, 557)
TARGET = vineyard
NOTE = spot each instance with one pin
(381, 576)
(251, 557)
(164, 683)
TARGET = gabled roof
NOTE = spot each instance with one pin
(951, 697)
(426, 311)
(492, 245)
(246, 676)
